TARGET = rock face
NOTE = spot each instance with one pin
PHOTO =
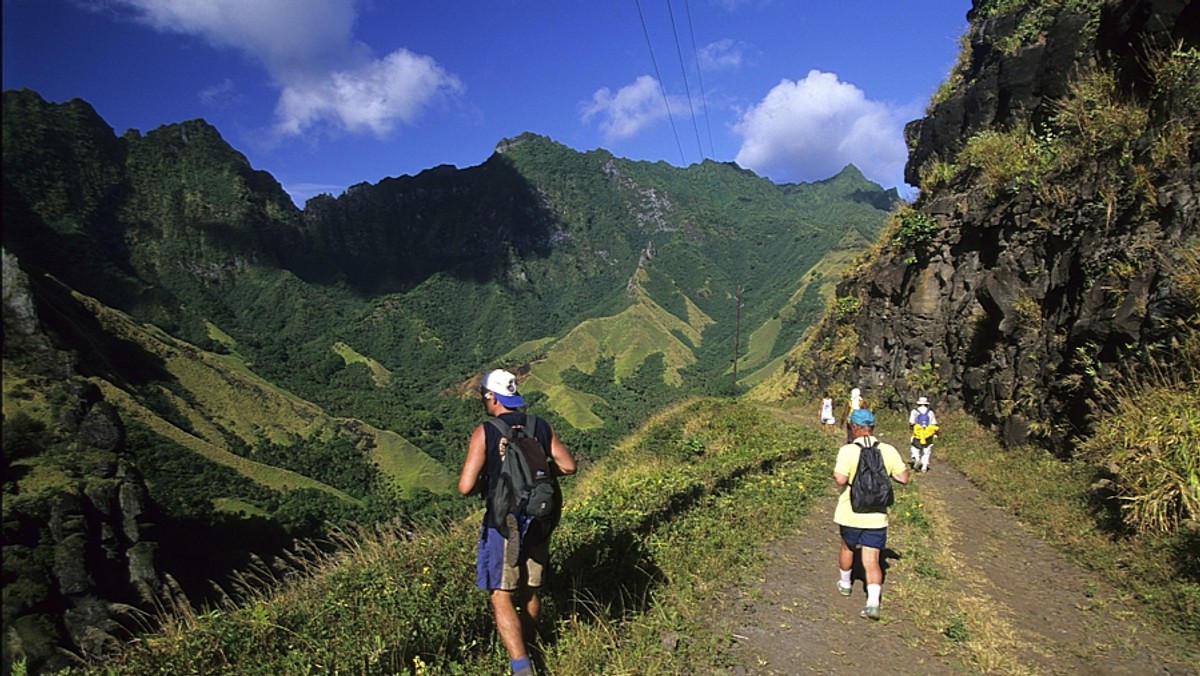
(76, 549)
(1033, 289)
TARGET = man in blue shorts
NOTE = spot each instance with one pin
(510, 566)
(866, 531)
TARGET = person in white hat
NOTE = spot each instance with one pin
(510, 567)
(924, 431)
(853, 403)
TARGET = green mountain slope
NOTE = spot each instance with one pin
(277, 370)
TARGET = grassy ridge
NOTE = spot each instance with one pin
(650, 534)
(641, 329)
(217, 401)
(647, 536)
(379, 374)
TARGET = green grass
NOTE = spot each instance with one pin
(648, 537)
(379, 374)
(643, 328)
(1058, 501)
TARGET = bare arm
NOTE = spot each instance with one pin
(840, 479)
(563, 460)
(901, 478)
(468, 480)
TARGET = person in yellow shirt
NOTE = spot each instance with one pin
(924, 431)
(867, 531)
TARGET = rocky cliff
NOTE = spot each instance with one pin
(76, 513)
(1058, 175)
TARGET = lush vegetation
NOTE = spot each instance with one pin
(281, 372)
(648, 536)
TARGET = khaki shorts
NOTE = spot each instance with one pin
(508, 564)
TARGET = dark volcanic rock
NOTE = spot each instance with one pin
(1033, 295)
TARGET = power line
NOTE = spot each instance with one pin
(661, 87)
(712, 151)
(683, 70)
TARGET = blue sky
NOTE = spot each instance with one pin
(324, 94)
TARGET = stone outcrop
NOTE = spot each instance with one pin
(1033, 294)
(76, 546)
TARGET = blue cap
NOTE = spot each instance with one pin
(862, 417)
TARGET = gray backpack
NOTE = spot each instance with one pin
(527, 485)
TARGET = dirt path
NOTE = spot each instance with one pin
(974, 592)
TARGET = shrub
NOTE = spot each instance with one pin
(845, 308)
(1149, 435)
(1099, 117)
(1009, 159)
(1155, 457)
(915, 228)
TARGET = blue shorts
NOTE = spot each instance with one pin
(509, 564)
(875, 538)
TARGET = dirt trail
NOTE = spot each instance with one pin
(1031, 610)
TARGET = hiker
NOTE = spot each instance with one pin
(866, 531)
(924, 431)
(826, 414)
(854, 403)
(511, 567)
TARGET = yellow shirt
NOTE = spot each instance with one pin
(847, 464)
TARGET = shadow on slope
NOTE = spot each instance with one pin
(394, 234)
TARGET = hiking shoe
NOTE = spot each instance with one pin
(844, 591)
(870, 612)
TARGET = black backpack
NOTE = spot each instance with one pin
(871, 490)
(527, 485)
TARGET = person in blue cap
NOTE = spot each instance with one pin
(865, 531)
(510, 566)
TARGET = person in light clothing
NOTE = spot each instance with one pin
(924, 431)
(826, 415)
(854, 403)
(866, 531)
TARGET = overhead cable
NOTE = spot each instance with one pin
(662, 88)
(683, 70)
(712, 151)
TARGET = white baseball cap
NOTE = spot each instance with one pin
(503, 386)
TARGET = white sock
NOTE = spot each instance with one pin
(845, 577)
(873, 591)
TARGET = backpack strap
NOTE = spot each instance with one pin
(505, 429)
(530, 425)
(862, 448)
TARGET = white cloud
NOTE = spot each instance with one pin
(811, 129)
(308, 48)
(625, 113)
(722, 55)
(372, 97)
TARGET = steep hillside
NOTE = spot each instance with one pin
(1058, 170)
(273, 371)
(80, 530)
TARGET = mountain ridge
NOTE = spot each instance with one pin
(274, 370)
